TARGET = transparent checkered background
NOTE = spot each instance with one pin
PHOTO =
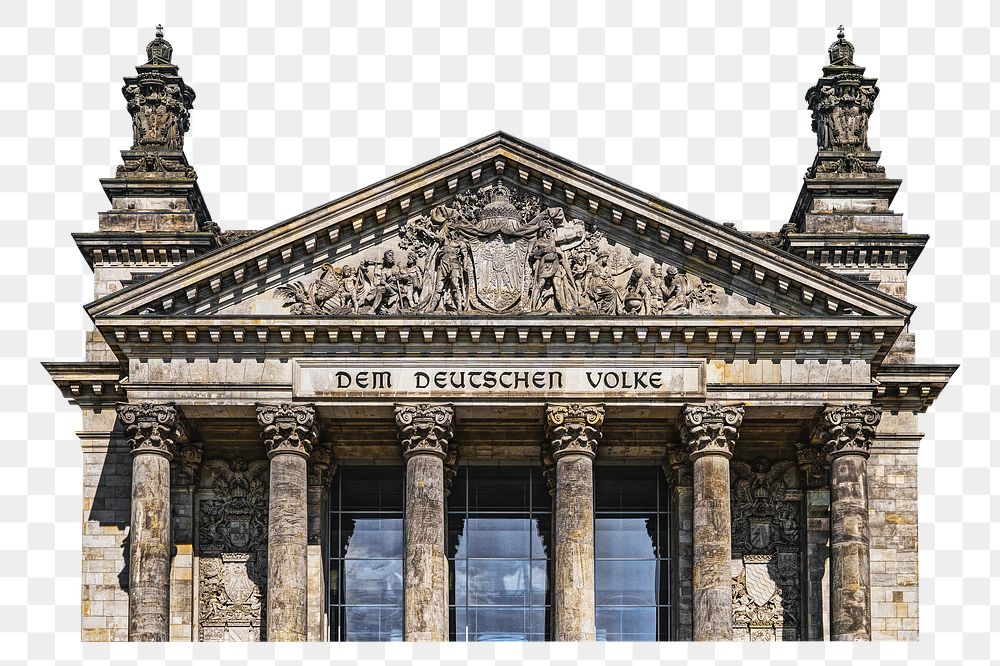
(700, 102)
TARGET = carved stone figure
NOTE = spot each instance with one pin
(232, 542)
(495, 250)
(842, 101)
(158, 100)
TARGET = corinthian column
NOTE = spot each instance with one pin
(846, 434)
(573, 433)
(289, 434)
(710, 433)
(152, 432)
(425, 434)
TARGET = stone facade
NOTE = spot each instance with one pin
(504, 306)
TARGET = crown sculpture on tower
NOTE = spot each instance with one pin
(841, 103)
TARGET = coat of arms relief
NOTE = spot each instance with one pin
(766, 552)
(232, 551)
(495, 250)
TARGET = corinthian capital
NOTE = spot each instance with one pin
(152, 428)
(425, 428)
(846, 429)
(573, 428)
(814, 468)
(711, 429)
(322, 466)
(677, 467)
(288, 428)
(186, 464)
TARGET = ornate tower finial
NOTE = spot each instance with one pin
(159, 50)
(841, 102)
(841, 51)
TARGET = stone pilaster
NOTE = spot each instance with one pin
(710, 433)
(425, 435)
(320, 470)
(152, 431)
(677, 470)
(573, 432)
(814, 472)
(184, 468)
(846, 434)
(289, 434)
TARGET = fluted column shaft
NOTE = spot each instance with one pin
(710, 433)
(425, 434)
(289, 434)
(846, 434)
(573, 433)
(152, 432)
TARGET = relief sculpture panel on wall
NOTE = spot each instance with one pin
(232, 547)
(766, 552)
(496, 250)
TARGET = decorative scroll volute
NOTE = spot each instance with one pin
(186, 464)
(573, 428)
(846, 429)
(711, 429)
(813, 466)
(152, 428)
(425, 428)
(677, 468)
(322, 466)
(288, 428)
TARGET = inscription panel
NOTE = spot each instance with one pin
(489, 379)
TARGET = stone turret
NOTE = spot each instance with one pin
(155, 189)
(158, 217)
(842, 219)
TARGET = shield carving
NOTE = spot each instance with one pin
(760, 586)
(500, 265)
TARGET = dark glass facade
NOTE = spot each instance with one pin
(499, 550)
(366, 567)
(499, 547)
(632, 553)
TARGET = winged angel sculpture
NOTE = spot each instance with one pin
(496, 250)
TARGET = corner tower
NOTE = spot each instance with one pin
(158, 217)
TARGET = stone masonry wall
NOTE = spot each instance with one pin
(107, 488)
(892, 503)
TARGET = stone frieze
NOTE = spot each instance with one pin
(497, 250)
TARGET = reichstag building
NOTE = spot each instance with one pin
(499, 397)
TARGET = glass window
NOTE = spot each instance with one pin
(366, 546)
(632, 559)
(499, 529)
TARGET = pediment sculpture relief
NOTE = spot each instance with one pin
(498, 251)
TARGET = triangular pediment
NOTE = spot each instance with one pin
(498, 228)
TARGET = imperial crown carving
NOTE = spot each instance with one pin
(846, 429)
(496, 250)
(152, 428)
(288, 428)
(426, 428)
(708, 429)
